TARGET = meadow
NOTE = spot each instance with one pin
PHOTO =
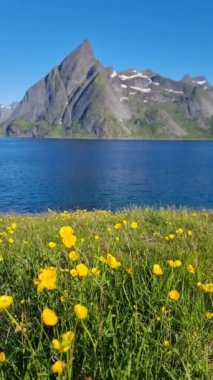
(102, 295)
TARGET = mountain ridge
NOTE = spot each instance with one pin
(82, 98)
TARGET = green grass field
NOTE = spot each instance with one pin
(124, 295)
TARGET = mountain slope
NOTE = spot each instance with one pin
(82, 98)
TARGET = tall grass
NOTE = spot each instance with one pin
(134, 329)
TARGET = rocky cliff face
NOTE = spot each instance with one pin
(81, 97)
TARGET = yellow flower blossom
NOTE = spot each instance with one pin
(52, 244)
(47, 279)
(166, 238)
(174, 295)
(82, 270)
(69, 241)
(125, 222)
(97, 237)
(157, 269)
(66, 231)
(189, 233)
(5, 301)
(171, 236)
(134, 225)
(81, 311)
(117, 226)
(208, 315)
(102, 259)
(65, 342)
(58, 366)
(73, 272)
(166, 343)
(112, 261)
(73, 255)
(208, 288)
(13, 226)
(174, 263)
(190, 268)
(95, 271)
(56, 344)
(179, 231)
(49, 317)
(10, 241)
(2, 357)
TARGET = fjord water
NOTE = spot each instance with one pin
(37, 174)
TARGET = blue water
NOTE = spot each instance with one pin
(37, 174)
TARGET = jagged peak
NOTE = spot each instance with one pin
(84, 50)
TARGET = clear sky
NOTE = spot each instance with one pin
(172, 37)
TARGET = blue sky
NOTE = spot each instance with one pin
(172, 37)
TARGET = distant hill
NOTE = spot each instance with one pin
(82, 98)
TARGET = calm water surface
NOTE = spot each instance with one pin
(67, 174)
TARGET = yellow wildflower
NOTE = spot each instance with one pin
(157, 270)
(190, 268)
(174, 263)
(189, 233)
(5, 301)
(47, 279)
(166, 238)
(134, 225)
(174, 295)
(13, 226)
(117, 226)
(66, 231)
(81, 311)
(49, 317)
(208, 288)
(82, 270)
(112, 262)
(73, 255)
(97, 237)
(117, 238)
(69, 241)
(208, 315)
(102, 259)
(65, 342)
(73, 272)
(95, 271)
(52, 244)
(180, 231)
(2, 357)
(171, 236)
(58, 366)
(125, 222)
(10, 241)
(166, 343)
(56, 344)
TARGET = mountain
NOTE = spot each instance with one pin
(82, 98)
(7, 110)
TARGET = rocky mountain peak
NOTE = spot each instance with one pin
(80, 97)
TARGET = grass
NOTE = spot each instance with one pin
(133, 330)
